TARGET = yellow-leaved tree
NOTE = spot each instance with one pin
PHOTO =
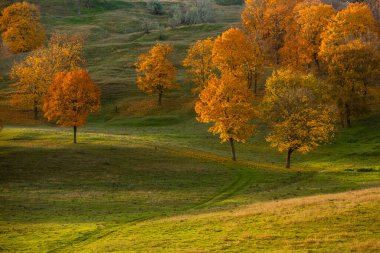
(350, 50)
(267, 21)
(235, 53)
(198, 62)
(21, 28)
(156, 74)
(298, 116)
(72, 97)
(34, 75)
(227, 102)
(32, 81)
(303, 34)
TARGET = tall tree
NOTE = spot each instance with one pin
(238, 54)
(350, 51)
(267, 20)
(156, 72)
(34, 75)
(303, 34)
(199, 64)
(21, 28)
(227, 102)
(295, 108)
(72, 97)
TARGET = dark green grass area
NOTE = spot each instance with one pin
(55, 194)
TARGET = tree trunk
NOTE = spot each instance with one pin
(233, 149)
(317, 61)
(75, 134)
(255, 87)
(79, 7)
(35, 112)
(160, 99)
(290, 151)
(348, 116)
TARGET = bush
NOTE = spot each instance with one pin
(192, 16)
(177, 17)
(147, 25)
(156, 7)
(195, 12)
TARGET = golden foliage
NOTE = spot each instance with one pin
(156, 74)
(72, 97)
(21, 28)
(227, 103)
(37, 71)
(235, 53)
(297, 113)
(350, 49)
(199, 63)
(267, 20)
(303, 37)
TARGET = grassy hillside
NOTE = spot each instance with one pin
(148, 179)
(57, 196)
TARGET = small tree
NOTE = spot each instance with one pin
(303, 37)
(156, 74)
(72, 97)
(295, 108)
(34, 75)
(350, 51)
(227, 103)
(21, 28)
(238, 54)
(199, 64)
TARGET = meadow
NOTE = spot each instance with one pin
(148, 179)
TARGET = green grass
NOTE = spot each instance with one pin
(97, 194)
(150, 179)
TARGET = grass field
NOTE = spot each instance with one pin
(148, 179)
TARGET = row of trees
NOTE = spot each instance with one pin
(51, 78)
(324, 63)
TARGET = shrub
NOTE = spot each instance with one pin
(156, 7)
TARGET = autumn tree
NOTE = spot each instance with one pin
(156, 74)
(227, 102)
(238, 54)
(295, 108)
(34, 75)
(199, 64)
(72, 97)
(21, 28)
(267, 20)
(350, 51)
(303, 34)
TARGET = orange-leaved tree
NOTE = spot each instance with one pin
(236, 53)
(350, 50)
(72, 97)
(21, 28)
(267, 20)
(199, 64)
(295, 108)
(227, 102)
(34, 75)
(303, 34)
(156, 74)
